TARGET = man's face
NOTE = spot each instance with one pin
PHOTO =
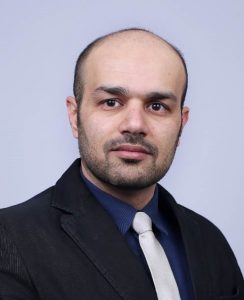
(130, 116)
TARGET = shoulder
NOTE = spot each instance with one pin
(212, 242)
(24, 212)
(21, 228)
(207, 227)
(188, 218)
(203, 235)
(30, 224)
(207, 231)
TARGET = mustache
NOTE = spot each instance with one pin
(134, 139)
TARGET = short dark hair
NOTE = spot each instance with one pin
(78, 80)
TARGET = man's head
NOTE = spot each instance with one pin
(79, 75)
(128, 112)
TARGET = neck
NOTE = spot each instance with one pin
(137, 198)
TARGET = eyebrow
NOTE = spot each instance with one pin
(154, 96)
(115, 90)
(123, 92)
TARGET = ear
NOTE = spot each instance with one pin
(72, 109)
(184, 116)
(184, 119)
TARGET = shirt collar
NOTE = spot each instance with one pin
(152, 209)
(123, 213)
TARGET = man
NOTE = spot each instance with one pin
(82, 238)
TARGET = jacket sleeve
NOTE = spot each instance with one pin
(15, 282)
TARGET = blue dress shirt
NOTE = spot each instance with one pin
(164, 227)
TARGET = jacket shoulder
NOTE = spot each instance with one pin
(208, 229)
(28, 209)
(204, 223)
(215, 245)
(19, 225)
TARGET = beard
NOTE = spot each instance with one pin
(121, 173)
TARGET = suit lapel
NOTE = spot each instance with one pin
(196, 259)
(194, 248)
(94, 232)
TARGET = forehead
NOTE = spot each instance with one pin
(134, 59)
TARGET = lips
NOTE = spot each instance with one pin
(134, 152)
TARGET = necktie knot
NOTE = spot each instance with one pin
(142, 222)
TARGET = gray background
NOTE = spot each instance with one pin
(40, 41)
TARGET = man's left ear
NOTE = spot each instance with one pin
(184, 116)
(184, 119)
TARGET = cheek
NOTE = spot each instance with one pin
(166, 136)
(97, 131)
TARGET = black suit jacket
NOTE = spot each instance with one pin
(62, 245)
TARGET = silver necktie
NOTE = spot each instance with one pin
(162, 275)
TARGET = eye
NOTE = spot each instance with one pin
(157, 107)
(111, 103)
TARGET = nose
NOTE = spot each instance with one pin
(134, 120)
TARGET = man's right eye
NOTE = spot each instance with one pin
(111, 103)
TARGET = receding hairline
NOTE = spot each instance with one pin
(124, 34)
(78, 78)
